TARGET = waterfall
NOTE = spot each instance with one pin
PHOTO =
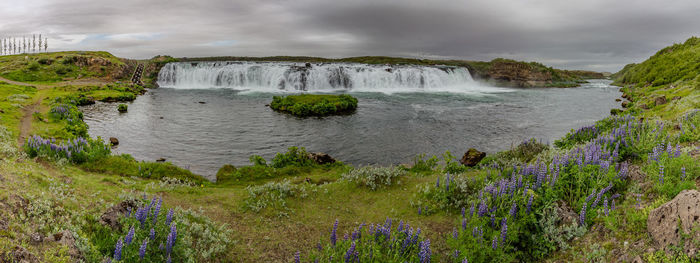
(317, 77)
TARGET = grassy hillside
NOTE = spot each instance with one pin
(667, 84)
(62, 66)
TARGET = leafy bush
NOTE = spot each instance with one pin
(122, 108)
(374, 177)
(225, 173)
(314, 105)
(373, 243)
(293, 157)
(422, 165)
(273, 195)
(33, 66)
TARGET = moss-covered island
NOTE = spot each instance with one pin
(592, 196)
(305, 105)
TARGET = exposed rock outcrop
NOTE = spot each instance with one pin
(111, 216)
(669, 222)
(472, 157)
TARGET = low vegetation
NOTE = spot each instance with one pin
(305, 105)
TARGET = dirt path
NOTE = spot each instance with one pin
(25, 124)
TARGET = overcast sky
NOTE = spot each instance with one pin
(601, 35)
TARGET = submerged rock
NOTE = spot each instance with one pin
(681, 215)
(472, 157)
(160, 160)
(113, 141)
(321, 158)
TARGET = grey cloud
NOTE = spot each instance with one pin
(598, 35)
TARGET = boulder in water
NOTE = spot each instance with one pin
(472, 157)
(113, 141)
(321, 158)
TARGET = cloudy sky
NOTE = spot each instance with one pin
(600, 35)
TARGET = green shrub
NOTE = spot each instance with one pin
(272, 195)
(421, 165)
(225, 173)
(33, 66)
(374, 177)
(293, 157)
(122, 107)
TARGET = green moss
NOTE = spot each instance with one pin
(314, 105)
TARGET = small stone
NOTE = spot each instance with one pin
(202, 102)
(36, 238)
(660, 100)
(113, 141)
(160, 160)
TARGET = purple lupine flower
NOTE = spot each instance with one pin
(529, 203)
(447, 183)
(456, 254)
(161, 247)
(638, 205)
(465, 260)
(297, 256)
(169, 217)
(582, 215)
(142, 249)
(168, 260)
(419, 210)
(424, 253)
(118, 250)
(157, 210)
(455, 234)
(349, 254)
(683, 173)
(605, 206)
(153, 234)
(334, 231)
(130, 236)
(173, 230)
(661, 174)
(513, 209)
(169, 242)
(471, 210)
(464, 224)
(504, 230)
(494, 243)
(463, 210)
